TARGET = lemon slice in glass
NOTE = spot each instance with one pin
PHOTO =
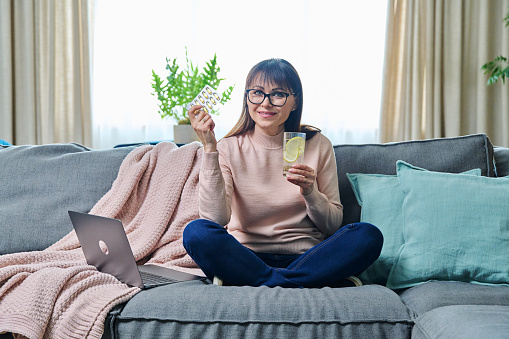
(293, 148)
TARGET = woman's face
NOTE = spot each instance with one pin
(269, 118)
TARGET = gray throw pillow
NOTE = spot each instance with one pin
(39, 184)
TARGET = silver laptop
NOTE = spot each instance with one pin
(106, 247)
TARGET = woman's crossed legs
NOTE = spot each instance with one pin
(347, 252)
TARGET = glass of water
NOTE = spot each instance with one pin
(293, 149)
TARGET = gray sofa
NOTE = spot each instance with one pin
(39, 184)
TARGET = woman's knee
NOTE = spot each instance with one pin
(372, 235)
(369, 235)
(199, 231)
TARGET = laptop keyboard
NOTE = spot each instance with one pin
(153, 279)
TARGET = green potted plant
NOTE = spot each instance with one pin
(179, 87)
(499, 67)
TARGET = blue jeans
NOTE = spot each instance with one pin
(347, 252)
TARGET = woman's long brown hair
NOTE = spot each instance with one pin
(281, 73)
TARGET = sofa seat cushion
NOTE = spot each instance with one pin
(201, 310)
(463, 322)
(434, 294)
(41, 183)
(453, 155)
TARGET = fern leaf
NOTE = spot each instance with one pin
(496, 69)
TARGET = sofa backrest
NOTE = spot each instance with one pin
(39, 184)
(453, 155)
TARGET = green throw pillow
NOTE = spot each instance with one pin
(381, 201)
(456, 227)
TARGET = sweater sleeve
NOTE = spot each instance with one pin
(323, 204)
(214, 197)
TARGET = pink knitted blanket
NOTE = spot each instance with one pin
(55, 294)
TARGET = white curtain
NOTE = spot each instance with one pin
(337, 47)
(433, 83)
(45, 90)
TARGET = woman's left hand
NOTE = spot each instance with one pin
(303, 176)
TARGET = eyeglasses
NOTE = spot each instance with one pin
(277, 99)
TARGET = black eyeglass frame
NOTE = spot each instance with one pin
(265, 95)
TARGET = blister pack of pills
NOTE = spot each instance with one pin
(208, 98)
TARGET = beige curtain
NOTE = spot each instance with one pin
(45, 68)
(433, 85)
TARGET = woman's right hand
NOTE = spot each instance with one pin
(204, 126)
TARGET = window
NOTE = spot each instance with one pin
(337, 48)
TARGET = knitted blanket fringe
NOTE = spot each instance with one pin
(55, 294)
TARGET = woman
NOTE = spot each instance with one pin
(258, 227)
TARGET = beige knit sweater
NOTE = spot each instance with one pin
(55, 294)
(242, 186)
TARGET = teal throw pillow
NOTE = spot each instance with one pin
(381, 201)
(456, 228)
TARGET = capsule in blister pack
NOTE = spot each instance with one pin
(208, 98)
